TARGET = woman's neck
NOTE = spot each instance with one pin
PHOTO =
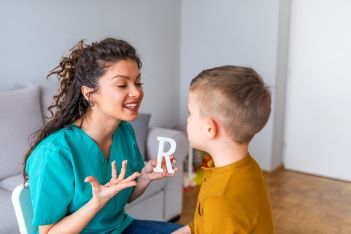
(98, 128)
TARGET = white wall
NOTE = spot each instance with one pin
(238, 32)
(36, 33)
(318, 129)
(280, 83)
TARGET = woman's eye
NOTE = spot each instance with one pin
(139, 84)
(122, 86)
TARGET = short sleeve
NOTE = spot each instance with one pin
(191, 227)
(51, 182)
(224, 215)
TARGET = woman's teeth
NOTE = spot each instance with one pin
(130, 105)
(133, 107)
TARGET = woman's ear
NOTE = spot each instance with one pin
(212, 128)
(87, 93)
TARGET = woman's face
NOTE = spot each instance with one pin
(120, 91)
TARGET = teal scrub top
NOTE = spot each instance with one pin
(58, 166)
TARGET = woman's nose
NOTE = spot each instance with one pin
(135, 91)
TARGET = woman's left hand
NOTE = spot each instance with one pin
(148, 174)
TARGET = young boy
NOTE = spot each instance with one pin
(228, 105)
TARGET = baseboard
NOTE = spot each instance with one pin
(277, 168)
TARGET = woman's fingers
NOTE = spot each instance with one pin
(126, 183)
(153, 162)
(123, 170)
(114, 170)
(156, 175)
(120, 186)
(132, 177)
(116, 184)
(172, 162)
(173, 159)
(175, 169)
(93, 182)
(121, 176)
(172, 174)
(114, 178)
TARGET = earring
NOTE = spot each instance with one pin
(89, 101)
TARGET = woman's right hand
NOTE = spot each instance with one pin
(103, 193)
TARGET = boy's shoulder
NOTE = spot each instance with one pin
(242, 177)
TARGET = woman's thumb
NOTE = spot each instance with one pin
(93, 182)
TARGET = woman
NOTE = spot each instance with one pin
(72, 165)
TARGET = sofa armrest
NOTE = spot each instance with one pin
(180, 139)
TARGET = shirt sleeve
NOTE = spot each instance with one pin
(191, 226)
(51, 182)
(225, 215)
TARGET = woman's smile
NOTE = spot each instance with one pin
(132, 106)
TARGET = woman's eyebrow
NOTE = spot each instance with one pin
(125, 77)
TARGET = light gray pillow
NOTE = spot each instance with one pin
(20, 116)
(141, 128)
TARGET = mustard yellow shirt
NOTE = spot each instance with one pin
(233, 199)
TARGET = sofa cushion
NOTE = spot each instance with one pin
(10, 183)
(141, 128)
(20, 117)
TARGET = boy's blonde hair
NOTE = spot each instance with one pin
(235, 96)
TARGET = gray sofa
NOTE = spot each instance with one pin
(21, 113)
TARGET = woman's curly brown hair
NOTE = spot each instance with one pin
(84, 65)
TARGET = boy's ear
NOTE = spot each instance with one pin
(212, 128)
(86, 91)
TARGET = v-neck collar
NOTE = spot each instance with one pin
(91, 142)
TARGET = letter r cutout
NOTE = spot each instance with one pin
(166, 155)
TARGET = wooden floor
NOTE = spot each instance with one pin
(301, 203)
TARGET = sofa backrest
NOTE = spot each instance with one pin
(20, 117)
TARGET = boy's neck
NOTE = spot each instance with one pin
(225, 152)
